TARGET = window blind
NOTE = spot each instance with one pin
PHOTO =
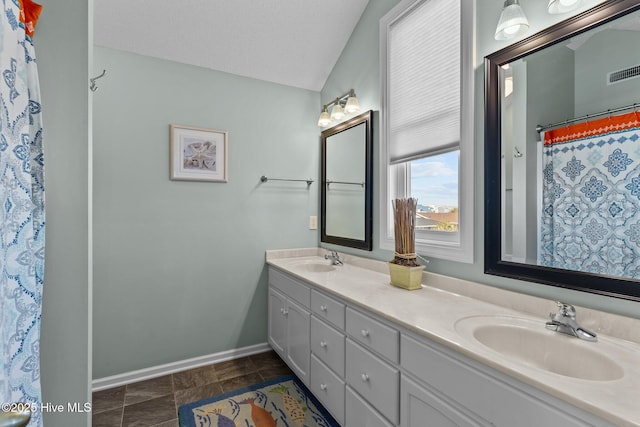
(424, 80)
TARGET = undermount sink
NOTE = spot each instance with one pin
(313, 266)
(529, 343)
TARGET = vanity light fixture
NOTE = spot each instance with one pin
(562, 6)
(513, 22)
(340, 107)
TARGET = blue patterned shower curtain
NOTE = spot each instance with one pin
(591, 197)
(22, 221)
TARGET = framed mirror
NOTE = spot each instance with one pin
(562, 154)
(347, 183)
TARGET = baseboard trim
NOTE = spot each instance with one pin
(170, 368)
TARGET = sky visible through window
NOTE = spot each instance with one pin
(434, 180)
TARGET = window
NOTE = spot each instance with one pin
(427, 123)
(434, 182)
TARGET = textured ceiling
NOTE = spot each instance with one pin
(291, 42)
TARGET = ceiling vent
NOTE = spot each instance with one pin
(622, 75)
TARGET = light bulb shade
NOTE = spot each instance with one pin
(352, 105)
(324, 119)
(562, 6)
(337, 113)
(512, 23)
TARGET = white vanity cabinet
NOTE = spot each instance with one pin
(449, 389)
(289, 318)
(370, 371)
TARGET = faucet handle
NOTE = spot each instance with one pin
(564, 311)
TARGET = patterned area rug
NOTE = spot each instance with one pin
(282, 402)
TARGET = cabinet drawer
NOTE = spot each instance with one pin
(373, 334)
(328, 309)
(359, 413)
(327, 387)
(328, 344)
(291, 287)
(375, 380)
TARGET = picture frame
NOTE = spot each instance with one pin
(198, 154)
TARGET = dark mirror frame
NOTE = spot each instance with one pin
(367, 242)
(581, 281)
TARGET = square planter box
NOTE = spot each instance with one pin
(406, 277)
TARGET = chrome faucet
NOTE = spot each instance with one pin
(334, 257)
(564, 321)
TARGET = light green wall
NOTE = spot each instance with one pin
(358, 68)
(179, 266)
(613, 49)
(62, 41)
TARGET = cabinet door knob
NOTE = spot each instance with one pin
(323, 307)
(285, 312)
(323, 386)
(323, 344)
(282, 310)
(364, 333)
(365, 377)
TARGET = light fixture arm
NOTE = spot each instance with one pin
(341, 100)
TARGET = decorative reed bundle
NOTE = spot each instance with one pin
(404, 221)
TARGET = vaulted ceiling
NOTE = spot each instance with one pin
(291, 42)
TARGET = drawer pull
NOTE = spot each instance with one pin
(323, 344)
(364, 333)
(365, 377)
(323, 308)
(323, 387)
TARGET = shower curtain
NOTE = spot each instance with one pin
(591, 197)
(22, 222)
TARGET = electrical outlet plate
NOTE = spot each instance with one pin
(313, 222)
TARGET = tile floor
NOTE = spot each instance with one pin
(155, 402)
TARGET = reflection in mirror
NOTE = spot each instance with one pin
(562, 115)
(346, 217)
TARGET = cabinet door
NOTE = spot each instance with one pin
(360, 414)
(298, 344)
(277, 322)
(420, 407)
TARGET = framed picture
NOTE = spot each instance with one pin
(198, 154)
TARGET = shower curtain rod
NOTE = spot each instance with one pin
(540, 128)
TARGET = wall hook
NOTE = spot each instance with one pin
(93, 85)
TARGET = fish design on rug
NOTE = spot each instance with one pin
(222, 420)
(204, 415)
(292, 407)
(260, 416)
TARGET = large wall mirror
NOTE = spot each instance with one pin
(347, 183)
(562, 154)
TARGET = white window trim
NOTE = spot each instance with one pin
(392, 179)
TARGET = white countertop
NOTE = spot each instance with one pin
(433, 313)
